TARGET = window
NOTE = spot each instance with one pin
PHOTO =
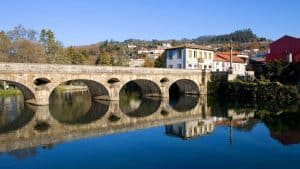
(210, 56)
(170, 55)
(195, 54)
(179, 56)
(195, 65)
(179, 66)
(205, 55)
(190, 54)
(201, 55)
(190, 65)
(205, 66)
(170, 66)
(209, 66)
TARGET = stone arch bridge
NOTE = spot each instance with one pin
(37, 81)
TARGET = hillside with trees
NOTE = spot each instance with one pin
(31, 46)
(239, 36)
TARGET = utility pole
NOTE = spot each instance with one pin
(230, 131)
(230, 55)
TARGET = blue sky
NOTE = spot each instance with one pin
(90, 21)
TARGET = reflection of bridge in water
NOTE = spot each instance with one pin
(40, 127)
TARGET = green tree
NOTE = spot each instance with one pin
(160, 61)
(75, 57)
(104, 59)
(43, 36)
(47, 38)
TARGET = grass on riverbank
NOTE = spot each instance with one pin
(9, 92)
(60, 89)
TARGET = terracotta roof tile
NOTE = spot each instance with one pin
(225, 57)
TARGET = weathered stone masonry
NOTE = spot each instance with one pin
(37, 81)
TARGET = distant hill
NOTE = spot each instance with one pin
(239, 36)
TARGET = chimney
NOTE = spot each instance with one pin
(290, 57)
(230, 55)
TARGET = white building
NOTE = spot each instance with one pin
(131, 46)
(221, 63)
(153, 53)
(191, 129)
(136, 62)
(189, 57)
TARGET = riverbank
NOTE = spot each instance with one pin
(255, 90)
(70, 88)
(10, 92)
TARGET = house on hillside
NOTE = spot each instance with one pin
(286, 48)
(153, 53)
(136, 62)
(189, 56)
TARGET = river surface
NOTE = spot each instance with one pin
(74, 132)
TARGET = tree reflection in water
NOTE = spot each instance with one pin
(134, 104)
(284, 127)
(14, 114)
(76, 108)
(182, 102)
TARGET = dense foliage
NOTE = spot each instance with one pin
(262, 90)
(240, 36)
(284, 72)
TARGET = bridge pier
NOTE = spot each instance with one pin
(164, 92)
(41, 98)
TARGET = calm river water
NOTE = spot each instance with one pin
(74, 132)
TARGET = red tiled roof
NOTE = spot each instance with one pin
(225, 57)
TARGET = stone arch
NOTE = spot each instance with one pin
(184, 86)
(96, 89)
(147, 88)
(27, 93)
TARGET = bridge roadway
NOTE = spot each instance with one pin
(37, 81)
(113, 121)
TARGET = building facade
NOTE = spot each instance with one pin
(189, 57)
(222, 63)
(286, 48)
